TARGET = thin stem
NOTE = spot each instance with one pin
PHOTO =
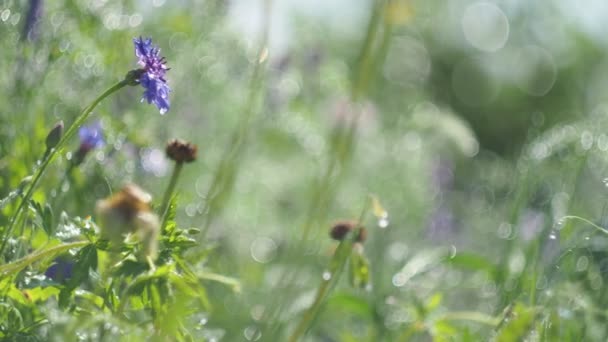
(573, 217)
(164, 208)
(225, 175)
(18, 265)
(470, 316)
(343, 146)
(338, 261)
(336, 265)
(52, 154)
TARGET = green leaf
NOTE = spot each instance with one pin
(351, 304)
(517, 323)
(131, 268)
(473, 262)
(359, 272)
(86, 260)
(47, 220)
(433, 302)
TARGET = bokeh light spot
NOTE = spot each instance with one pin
(485, 26)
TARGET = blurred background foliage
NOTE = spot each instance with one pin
(480, 126)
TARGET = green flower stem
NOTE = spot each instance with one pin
(337, 264)
(177, 169)
(20, 264)
(52, 154)
(343, 142)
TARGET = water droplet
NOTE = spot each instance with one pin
(383, 222)
(505, 230)
(587, 238)
(65, 187)
(559, 224)
(326, 275)
(257, 312)
(399, 279)
(552, 235)
(252, 333)
(582, 263)
(263, 249)
(453, 251)
(605, 181)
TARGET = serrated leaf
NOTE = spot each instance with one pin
(41, 294)
(180, 241)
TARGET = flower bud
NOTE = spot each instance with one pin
(341, 228)
(54, 136)
(181, 151)
(133, 76)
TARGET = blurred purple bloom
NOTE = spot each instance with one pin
(32, 20)
(90, 137)
(60, 270)
(153, 77)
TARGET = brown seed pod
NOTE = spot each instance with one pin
(181, 151)
(340, 229)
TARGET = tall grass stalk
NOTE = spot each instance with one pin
(226, 172)
(330, 278)
(343, 148)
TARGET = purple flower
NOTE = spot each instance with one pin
(61, 269)
(152, 78)
(90, 137)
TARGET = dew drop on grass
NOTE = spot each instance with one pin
(252, 333)
(552, 235)
(326, 275)
(383, 222)
(453, 252)
(505, 230)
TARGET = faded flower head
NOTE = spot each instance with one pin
(128, 212)
(340, 229)
(152, 77)
(181, 151)
(90, 137)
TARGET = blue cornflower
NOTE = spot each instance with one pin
(61, 270)
(152, 77)
(90, 137)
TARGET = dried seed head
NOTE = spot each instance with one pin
(128, 211)
(341, 228)
(181, 151)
